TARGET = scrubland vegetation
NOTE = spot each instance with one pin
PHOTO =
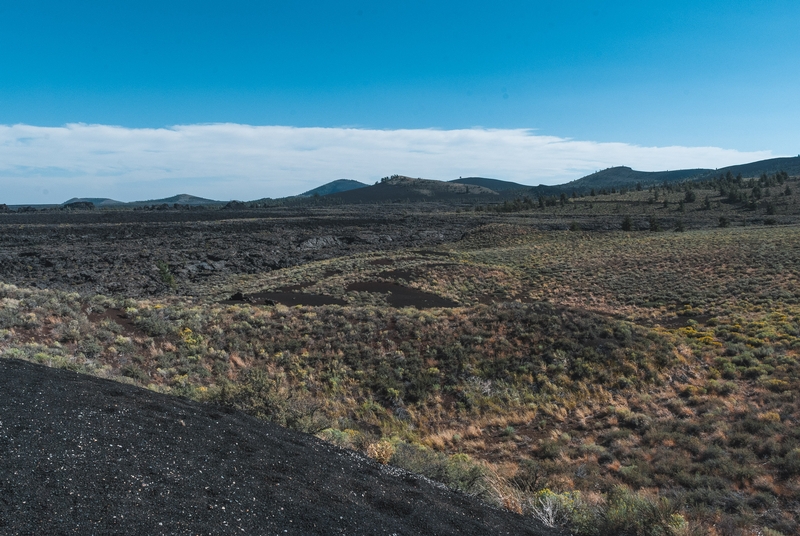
(720, 202)
(615, 383)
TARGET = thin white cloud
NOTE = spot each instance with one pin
(232, 161)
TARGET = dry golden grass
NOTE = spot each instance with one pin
(382, 451)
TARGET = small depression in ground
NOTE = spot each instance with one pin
(285, 298)
(400, 296)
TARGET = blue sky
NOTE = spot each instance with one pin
(647, 74)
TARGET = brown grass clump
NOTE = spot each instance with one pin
(381, 451)
(472, 432)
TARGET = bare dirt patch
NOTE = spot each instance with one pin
(117, 316)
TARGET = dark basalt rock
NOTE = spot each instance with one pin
(117, 251)
(239, 297)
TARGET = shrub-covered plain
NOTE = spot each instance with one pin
(617, 382)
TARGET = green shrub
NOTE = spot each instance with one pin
(721, 388)
(457, 471)
(549, 449)
(790, 464)
(628, 513)
(627, 224)
(135, 372)
(165, 275)
(90, 348)
(529, 473)
(623, 513)
(153, 322)
(269, 398)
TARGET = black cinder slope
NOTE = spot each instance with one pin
(82, 455)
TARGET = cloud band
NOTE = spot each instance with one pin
(233, 161)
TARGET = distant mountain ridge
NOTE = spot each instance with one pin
(406, 189)
(180, 199)
(623, 176)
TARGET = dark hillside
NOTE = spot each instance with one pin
(82, 455)
(627, 177)
(790, 165)
(340, 185)
(617, 177)
(399, 189)
(492, 184)
(96, 201)
(180, 199)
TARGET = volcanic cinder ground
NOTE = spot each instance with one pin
(82, 455)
